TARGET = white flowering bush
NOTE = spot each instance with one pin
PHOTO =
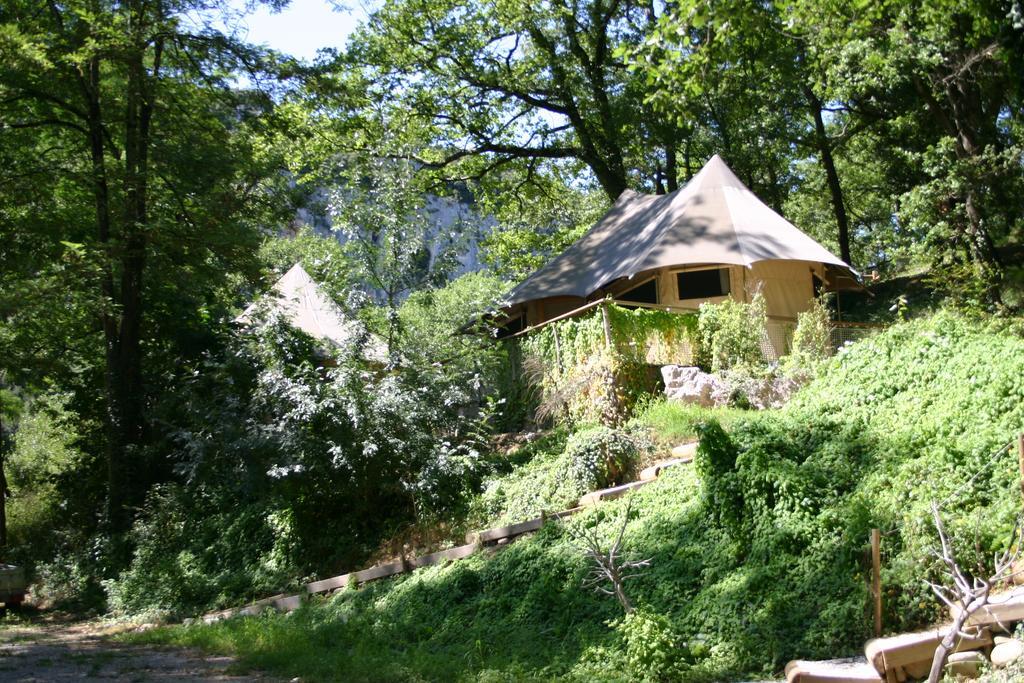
(602, 456)
(289, 467)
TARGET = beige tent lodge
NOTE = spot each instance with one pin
(298, 299)
(708, 240)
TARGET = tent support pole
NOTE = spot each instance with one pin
(558, 349)
(607, 325)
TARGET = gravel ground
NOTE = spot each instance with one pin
(53, 650)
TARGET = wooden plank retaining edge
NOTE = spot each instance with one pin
(565, 513)
(379, 572)
(324, 585)
(456, 553)
(498, 533)
(914, 651)
(654, 471)
(1002, 608)
(288, 603)
(594, 497)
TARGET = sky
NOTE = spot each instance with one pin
(304, 26)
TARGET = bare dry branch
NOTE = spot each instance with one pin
(609, 567)
(967, 593)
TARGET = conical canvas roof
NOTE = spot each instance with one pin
(712, 219)
(299, 299)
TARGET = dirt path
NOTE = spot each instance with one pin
(83, 651)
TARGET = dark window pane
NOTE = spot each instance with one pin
(512, 327)
(647, 293)
(702, 284)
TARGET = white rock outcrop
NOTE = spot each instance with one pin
(693, 386)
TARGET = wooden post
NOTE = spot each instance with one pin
(558, 349)
(876, 578)
(607, 325)
(1020, 459)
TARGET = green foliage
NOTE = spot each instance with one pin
(652, 651)
(515, 142)
(731, 333)
(194, 551)
(757, 556)
(323, 258)
(140, 178)
(892, 423)
(812, 340)
(600, 457)
(540, 485)
(437, 328)
(532, 231)
(586, 380)
(557, 470)
(671, 423)
(44, 504)
(289, 469)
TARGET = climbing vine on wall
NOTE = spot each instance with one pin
(584, 379)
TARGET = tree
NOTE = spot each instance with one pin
(8, 409)
(134, 108)
(942, 85)
(965, 592)
(609, 566)
(383, 213)
(519, 86)
(740, 65)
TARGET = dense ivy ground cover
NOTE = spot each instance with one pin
(758, 551)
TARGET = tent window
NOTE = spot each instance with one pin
(647, 293)
(512, 327)
(818, 284)
(703, 284)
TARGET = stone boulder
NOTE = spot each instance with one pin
(770, 392)
(966, 664)
(693, 386)
(1006, 652)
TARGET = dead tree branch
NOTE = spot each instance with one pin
(964, 593)
(609, 566)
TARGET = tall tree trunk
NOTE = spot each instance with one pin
(671, 163)
(3, 483)
(687, 159)
(125, 483)
(832, 176)
(118, 396)
(960, 121)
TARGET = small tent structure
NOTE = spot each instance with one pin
(300, 301)
(710, 239)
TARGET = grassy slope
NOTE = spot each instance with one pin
(890, 424)
(516, 614)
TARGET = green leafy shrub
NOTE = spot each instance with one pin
(565, 469)
(730, 334)
(585, 380)
(192, 551)
(652, 649)
(537, 486)
(894, 422)
(289, 469)
(600, 457)
(812, 340)
(47, 472)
